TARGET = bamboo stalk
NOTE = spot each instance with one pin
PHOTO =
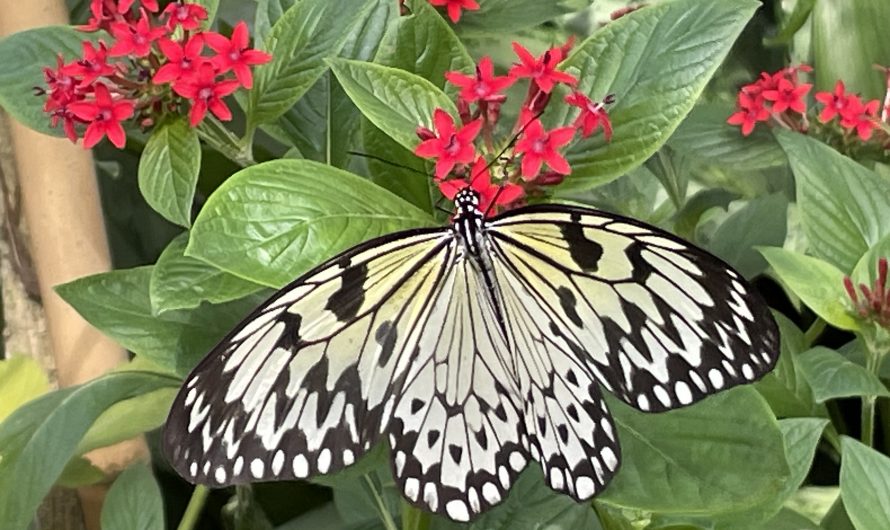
(60, 203)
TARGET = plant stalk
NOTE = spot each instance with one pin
(194, 508)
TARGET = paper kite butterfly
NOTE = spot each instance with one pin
(472, 349)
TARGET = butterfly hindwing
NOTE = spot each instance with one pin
(660, 323)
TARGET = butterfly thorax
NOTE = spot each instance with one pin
(469, 222)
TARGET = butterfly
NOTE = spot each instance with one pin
(472, 349)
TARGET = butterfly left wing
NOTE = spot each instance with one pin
(303, 386)
(660, 322)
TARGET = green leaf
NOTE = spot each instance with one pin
(865, 485)
(79, 472)
(784, 388)
(212, 6)
(21, 380)
(300, 41)
(761, 222)
(818, 284)
(394, 100)
(845, 207)
(866, 270)
(832, 376)
(723, 454)
(498, 16)
(705, 137)
(23, 56)
(168, 170)
(39, 439)
(182, 282)
(128, 418)
(656, 60)
(849, 55)
(788, 519)
(267, 14)
(118, 304)
(134, 501)
(271, 222)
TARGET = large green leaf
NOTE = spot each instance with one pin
(784, 388)
(271, 222)
(761, 222)
(839, 53)
(865, 485)
(23, 56)
(182, 282)
(168, 170)
(656, 60)
(128, 418)
(38, 439)
(21, 380)
(134, 501)
(723, 454)
(498, 16)
(705, 137)
(300, 41)
(845, 207)
(832, 376)
(819, 284)
(119, 305)
(396, 101)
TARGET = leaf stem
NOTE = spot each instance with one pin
(217, 136)
(385, 516)
(414, 518)
(194, 508)
(812, 333)
(868, 420)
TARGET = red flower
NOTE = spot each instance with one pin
(182, 61)
(539, 146)
(480, 180)
(751, 110)
(104, 116)
(450, 146)
(134, 39)
(234, 54)
(787, 95)
(206, 92)
(542, 71)
(99, 19)
(93, 65)
(835, 103)
(123, 6)
(485, 86)
(861, 117)
(189, 16)
(454, 6)
(63, 90)
(593, 115)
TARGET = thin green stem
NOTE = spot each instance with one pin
(868, 420)
(813, 332)
(385, 516)
(217, 136)
(194, 508)
(414, 518)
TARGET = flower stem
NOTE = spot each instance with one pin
(385, 516)
(812, 333)
(220, 138)
(868, 420)
(193, 510)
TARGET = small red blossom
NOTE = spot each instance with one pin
(100, 17)
(182, 61)
(62, 90)
(134, 39)
(451, 146)
(490, 195)
(206, 92)
(123, 6)
(93, 64)
(750, 111)
(235, 55)
(542, 71)
(454, 7)
(593, 115)
(104, 116)
(538, 146)
(484, 86)
(875, 302)
(187, 15)
(834, 102)
(788, 95)
(859, 116)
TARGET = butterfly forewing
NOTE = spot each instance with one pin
(659, 322)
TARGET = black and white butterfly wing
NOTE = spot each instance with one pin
(303, 386)
(658, 322)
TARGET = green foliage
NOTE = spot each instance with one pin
(350, 78)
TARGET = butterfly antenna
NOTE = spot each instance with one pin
(389, 162)
(510, 144)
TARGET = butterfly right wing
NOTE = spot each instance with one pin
(303, 385)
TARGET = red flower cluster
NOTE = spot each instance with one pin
(154, 65)
(875, 302)
(479, 103)
(781, 96)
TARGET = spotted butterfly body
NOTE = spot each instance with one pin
(472, 349)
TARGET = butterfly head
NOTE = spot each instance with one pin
(467, 202)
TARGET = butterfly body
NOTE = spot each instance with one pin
(471, 349)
